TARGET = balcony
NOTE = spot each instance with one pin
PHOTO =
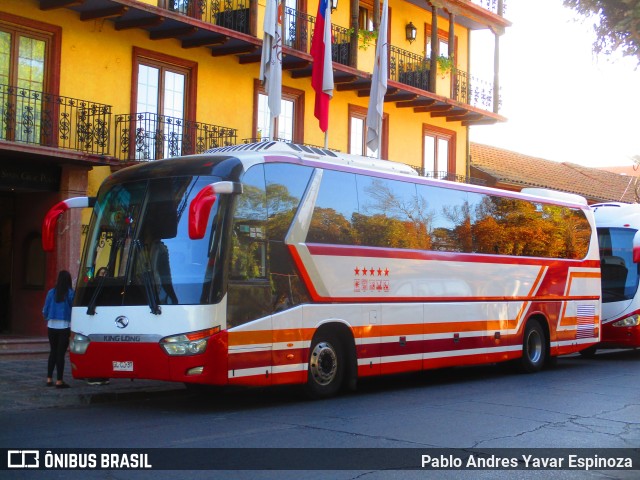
(38, 118)
(147, 136)
(231, 14)
(409, 68)
(451, 177)
(493, 6)
(298, 28)
(472, 91)
(230, 28)
(35, 118)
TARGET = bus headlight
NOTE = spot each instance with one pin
(192, 343)
(631, 321)
(79, 343)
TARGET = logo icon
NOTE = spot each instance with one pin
(122, 321)
(23, 458)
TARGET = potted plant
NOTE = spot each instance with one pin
(445, 65)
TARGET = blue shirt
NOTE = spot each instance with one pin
(57, 314)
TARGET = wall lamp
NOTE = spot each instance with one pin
(334, 5)
(412, 31)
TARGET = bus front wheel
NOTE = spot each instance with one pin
(534, 347)
(326, 366)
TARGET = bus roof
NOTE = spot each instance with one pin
(556, 195)
(229, 163)
(616, 214)
(317, 153)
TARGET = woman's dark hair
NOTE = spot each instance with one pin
(63, 285)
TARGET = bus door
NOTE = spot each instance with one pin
(249, 298)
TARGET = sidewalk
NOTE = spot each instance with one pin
(22, 386)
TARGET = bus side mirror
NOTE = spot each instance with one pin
(200, 206)
(636, 247)
(50, 221)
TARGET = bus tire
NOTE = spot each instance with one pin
(326, 366)
(534, 347)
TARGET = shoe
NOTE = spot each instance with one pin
(62, 385)
(98, 381)
(49, 384)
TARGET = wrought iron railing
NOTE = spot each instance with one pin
(297, 32)
(148, 136)
(491, 5)
(473, 91)
(452, 177)
(408, 68)
(341, 45)
(297, 29)
(39, 118)
(232, 14)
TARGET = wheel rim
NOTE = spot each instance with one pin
(534, 346)
(323, 363)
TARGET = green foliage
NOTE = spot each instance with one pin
(446, 64)
(616, 24)
(367, 37)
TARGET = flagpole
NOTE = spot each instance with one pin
(271, 62)
(322, 70)
(380, 142)
(375, 111)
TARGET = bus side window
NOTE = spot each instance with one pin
(249, 292)
(335, 210)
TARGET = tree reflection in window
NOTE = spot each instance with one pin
(363, 210)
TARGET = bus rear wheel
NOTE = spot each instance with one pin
(534, 347)
(326, 366)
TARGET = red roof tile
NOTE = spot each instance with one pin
(514, 170)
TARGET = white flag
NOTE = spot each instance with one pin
(271, 62)
(378, 86)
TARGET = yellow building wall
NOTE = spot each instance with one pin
(96, 65)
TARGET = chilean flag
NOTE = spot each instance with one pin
(322, 73)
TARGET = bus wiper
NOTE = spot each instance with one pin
(147, 279)
(91, 308)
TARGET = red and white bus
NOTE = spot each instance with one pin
(274, 263)
(618, 226)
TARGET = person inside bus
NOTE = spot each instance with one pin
(57, 314)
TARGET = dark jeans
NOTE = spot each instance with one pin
(59, 341)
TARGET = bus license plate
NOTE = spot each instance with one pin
(123, 366)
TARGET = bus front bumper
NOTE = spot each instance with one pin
(150, 361)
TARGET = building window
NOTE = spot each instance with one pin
(438, 152)
(164, 98)
(358, 133)
(443, 43)
(289, 124)
(365, 15)
(26, 66)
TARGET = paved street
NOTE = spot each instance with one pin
(583, 403)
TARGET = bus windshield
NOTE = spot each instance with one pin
(619, 273)
(138, 251)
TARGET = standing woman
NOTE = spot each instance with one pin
(57, 313)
